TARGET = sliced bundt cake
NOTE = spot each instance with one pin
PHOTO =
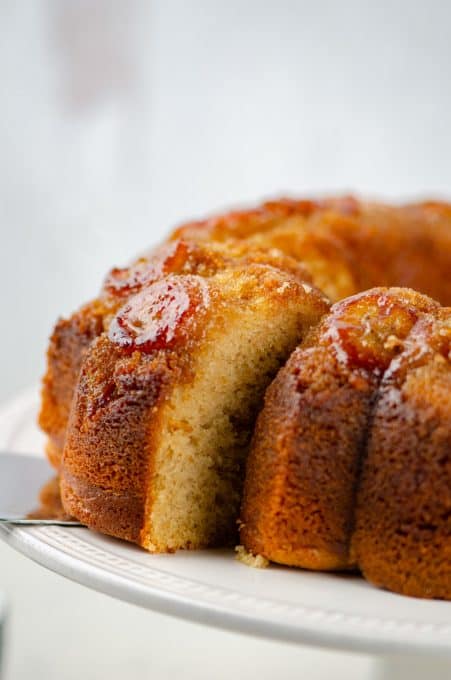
(152, 391)
(166, 402)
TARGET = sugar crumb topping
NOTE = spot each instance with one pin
(282, 288)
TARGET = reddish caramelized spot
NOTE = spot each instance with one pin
(161, 316)
(367, 330)
(165, 260)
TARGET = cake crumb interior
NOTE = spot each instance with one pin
(199, 463)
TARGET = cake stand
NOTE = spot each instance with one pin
(408, 637)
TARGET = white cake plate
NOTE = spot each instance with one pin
(211, 587)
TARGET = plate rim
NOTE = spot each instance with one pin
(210, 605)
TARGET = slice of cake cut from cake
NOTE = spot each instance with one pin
(167, 398)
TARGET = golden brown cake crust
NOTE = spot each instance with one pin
(402, 539)
(68, 343)
(106, 458)
(297, 504)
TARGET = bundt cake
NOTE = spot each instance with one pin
(351, 460)
(152, 389)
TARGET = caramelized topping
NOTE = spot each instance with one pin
(167, 259)
(161, 316)
(431, 336)
(366, 331)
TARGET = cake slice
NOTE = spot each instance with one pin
(167, 398)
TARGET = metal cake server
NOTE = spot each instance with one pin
(21, 480)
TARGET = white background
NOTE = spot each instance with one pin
(119, 120)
